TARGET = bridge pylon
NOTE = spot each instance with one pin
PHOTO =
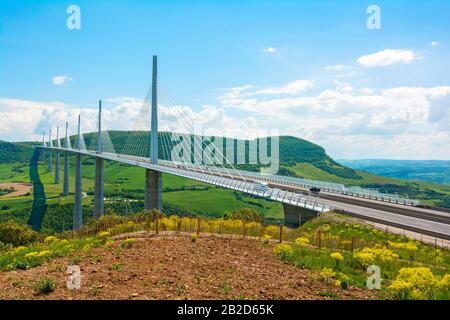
(153, 179)
(99, 206)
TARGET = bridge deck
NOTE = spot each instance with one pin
(431, 222)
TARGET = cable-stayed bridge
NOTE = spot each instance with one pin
(177, 152)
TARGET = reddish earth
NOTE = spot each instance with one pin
(176, 268)
(20, 189)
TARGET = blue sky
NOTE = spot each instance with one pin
(219, 58)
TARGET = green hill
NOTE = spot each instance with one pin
(298, 158)
(15, 152)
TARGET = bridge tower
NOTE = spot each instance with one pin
(78, 208)
(58, 145)
(66, 164)
(99, 171)
(153, 179)
(50, 144)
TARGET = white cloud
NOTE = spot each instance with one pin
(388, 57)
(434, 44)
(291, 88)
(60, 80)
(271, 50)
(367, 90)
(367, 122)
(338, 67)
(399, 122)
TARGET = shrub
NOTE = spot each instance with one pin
(50, 239)
(284, 251)
(327, 274)
(302, 241)
(337, 256)
(16, 234)
(266, 238)
(367, 256)
(420, 283)
(244, 214)
(410, 245)
(45, 286)
(103, 234)
(128, 243)
(193, 237)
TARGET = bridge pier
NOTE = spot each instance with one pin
(78, 207)
(58, 145)
(50, 143)
(44, 145)
(49, 161)
(296, 216)
(99, 207)
(57, 167)
(66, 164)
(153, 188)
(66, 174)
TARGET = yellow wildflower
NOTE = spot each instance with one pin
(337, 256)
(103, 234)
(50, 239)
(44, 253)
(284, 251)
(327, 273)
(302, 241)
(31, 254)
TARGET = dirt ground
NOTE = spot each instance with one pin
(20, 189)
(176, 268)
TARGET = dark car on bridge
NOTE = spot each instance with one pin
(314, 190)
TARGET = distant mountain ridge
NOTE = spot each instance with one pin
(437, 171)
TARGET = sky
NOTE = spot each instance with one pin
(311, 69)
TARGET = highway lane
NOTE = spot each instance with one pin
(421, 213)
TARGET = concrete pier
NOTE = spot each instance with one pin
(57, 157)
(66, 165)
(44, 144)
(78, 207)
(66, 174)
(50, 143)
(296, 216)
(153, 189)
(99, 206)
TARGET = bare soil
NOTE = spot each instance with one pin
(173, 267)
(20, 189)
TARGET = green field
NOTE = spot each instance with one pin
(124, 185)
(126, 182)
